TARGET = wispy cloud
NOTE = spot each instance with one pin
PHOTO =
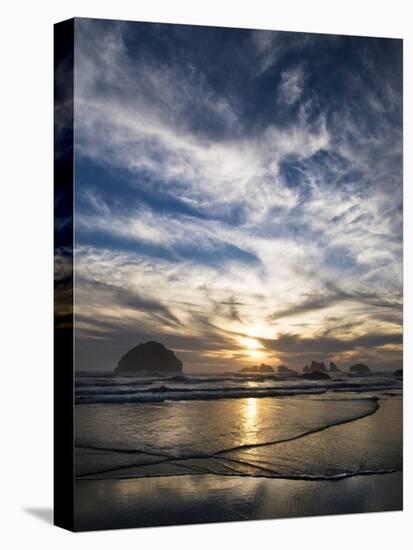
(291, 86)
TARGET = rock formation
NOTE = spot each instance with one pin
(333, 368)
(265, 368)
(282, 369)
(317, 367)
(149, 357)
(398, 373)
(359, 368)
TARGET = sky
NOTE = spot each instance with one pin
(238, 196)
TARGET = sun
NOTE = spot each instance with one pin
(253, 347)
(250, 343)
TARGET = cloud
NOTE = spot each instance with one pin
(331, 295)
(291, 85)
(272, 47)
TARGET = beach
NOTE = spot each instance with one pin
(177, 500)
(158, 452)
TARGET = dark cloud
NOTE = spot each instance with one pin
(332, 294)
(121, 296)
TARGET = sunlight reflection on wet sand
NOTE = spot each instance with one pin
(200, 499)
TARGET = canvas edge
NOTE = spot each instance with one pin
(63, 426)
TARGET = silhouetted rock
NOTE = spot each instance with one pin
(282, 369)
(359, 368)
(315, 375)
(317, 367)
(150, 357)
(263, 368)
(398, 373)
(248, 369)
(333, 368)
(306, 369)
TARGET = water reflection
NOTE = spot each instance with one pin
(200, 429)
(250, 414)
(196, 499)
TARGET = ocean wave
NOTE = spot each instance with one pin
(166, 395)
(112, 380)
(164, 392)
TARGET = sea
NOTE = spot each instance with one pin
(232, 425)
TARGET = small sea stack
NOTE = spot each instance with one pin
(333, 368)
(317, 367)
(282, 369)
(359, 368)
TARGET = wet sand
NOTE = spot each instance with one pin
(175, 500)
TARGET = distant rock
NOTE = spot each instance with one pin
(282, 368)
(306, 369)
(359, 368)
(315, 375)
(398, 373)
(263, 368)
(333, 368)
(248, 369)
(149, 357)
(317, 367)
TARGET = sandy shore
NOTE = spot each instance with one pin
(111, 504)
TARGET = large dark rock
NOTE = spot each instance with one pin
(150, 357)
(315, 375)
(333, 368)
(306, 369)
(359, 368)
(398, 373)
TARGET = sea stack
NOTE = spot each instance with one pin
(333, 368)
(359, 368)
(149, 357)
(282, 369)
(317, 367)
(265, 368)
